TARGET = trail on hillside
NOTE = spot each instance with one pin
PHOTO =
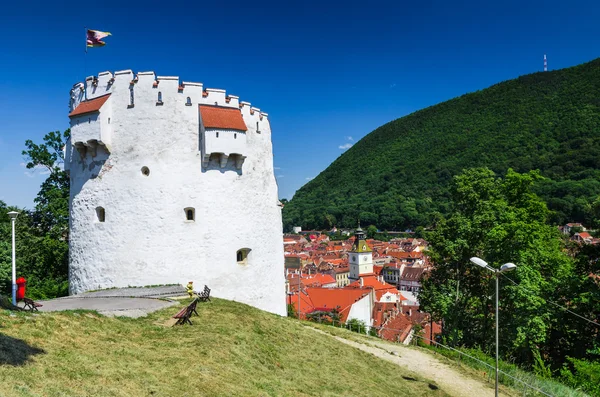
(449, 379)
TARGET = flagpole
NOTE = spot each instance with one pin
(85, 67)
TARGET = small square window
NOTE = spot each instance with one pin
(242, 256)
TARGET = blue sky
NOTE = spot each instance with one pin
(327, 72)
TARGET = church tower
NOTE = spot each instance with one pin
(361, 257)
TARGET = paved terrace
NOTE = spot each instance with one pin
(126, 302)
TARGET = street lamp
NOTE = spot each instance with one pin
(13, 218)
(507, 267)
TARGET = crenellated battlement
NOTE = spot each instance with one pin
(226, 125)
(123, 82)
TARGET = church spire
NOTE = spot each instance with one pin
(360, 241)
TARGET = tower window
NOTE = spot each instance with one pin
(188, 101)
(234, 136)
(159, 100)
(242, 256)
(190, 214)
(257, 129)
(100, 215)
(145, 171)
(131, 98)
(217, 134)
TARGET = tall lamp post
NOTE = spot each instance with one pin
(504, 268)
(13, 218)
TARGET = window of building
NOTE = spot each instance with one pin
(190, 214)
(234, 136)
(242, 256)
(100, 214)
(159, 99)
(145, 171)
(131, 98)
(217, 134)
(188, 101)
(257, 129)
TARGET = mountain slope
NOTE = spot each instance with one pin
(397, 176)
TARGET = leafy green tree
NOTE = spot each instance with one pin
(52, 202)
(371, 231)
(499, 220)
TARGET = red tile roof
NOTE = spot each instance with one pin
(325, 299)
(396, 329)
(223, 118)
(380, 287)
(89, 106)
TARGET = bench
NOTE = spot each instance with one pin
(183, 316)
(31, 305)
(204, 296)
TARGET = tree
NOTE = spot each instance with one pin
(371, 231)
(499, 220)
(52, 202)
(42, 235)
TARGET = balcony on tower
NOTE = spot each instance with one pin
(90, 125)
(223, 136)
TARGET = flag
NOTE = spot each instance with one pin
(94, 38)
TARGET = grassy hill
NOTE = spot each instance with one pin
(397, 176)
(231, 350)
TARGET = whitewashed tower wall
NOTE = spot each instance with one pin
(145, 237)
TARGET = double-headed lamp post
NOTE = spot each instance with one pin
(504, 268)
(13, 218)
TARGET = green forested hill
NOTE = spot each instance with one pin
(397, 176)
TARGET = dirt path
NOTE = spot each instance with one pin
(449, 379)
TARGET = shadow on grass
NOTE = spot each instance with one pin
(15, 351)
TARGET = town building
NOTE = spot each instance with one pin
(361, 257)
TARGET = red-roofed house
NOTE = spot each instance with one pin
(353, 303)
(583, 238)
(410, 279)
(384, 292)
(341, 275)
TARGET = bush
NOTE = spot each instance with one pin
(582, 374)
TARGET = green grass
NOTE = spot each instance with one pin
(232, 349)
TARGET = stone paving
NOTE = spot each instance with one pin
(142, 292)
(126, 302)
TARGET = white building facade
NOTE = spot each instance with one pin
(172, 183)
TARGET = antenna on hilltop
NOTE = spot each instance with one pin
(545, 63)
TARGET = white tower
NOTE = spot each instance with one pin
(361, 257)
(172, 183)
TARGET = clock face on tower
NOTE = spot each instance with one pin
(364, 258)
(364, 247)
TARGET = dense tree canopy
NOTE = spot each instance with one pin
(398, 176)
(501, 220)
